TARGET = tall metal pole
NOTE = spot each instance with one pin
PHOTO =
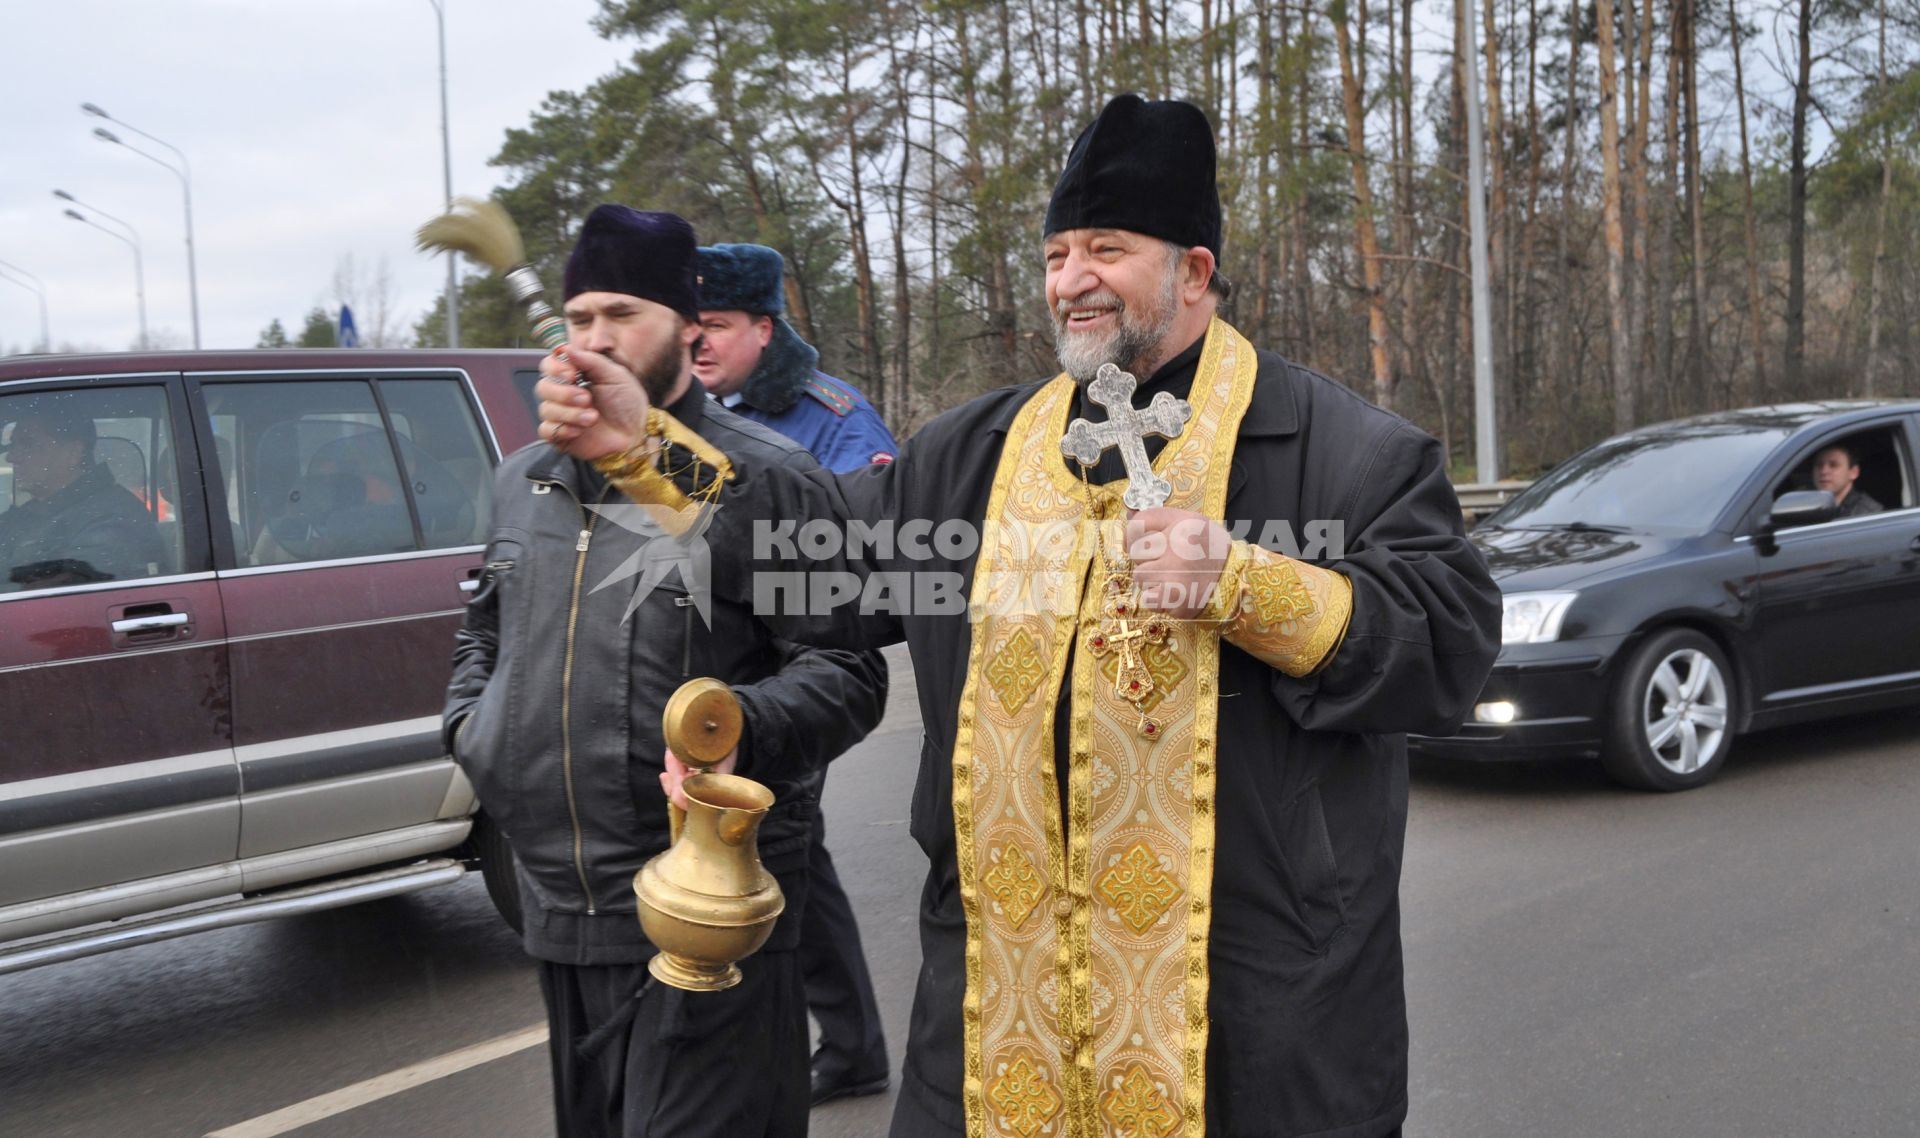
(185, 174)
(446, 174)
(1486, 435)
(193, 272)
(38, 290)
(139, 270)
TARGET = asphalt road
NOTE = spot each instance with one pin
(1581, 961)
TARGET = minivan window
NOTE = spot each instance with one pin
(312, 471)
(91, 487)
(524, 380)
(1673, 478)
(448, 468)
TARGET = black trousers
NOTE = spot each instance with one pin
(634, 1058)
(839, 987)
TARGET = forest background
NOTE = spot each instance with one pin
(1692, 206)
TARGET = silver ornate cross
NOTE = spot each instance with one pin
(1127, 427)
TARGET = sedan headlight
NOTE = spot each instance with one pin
(1532, 618)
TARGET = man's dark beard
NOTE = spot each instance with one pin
(658, 375)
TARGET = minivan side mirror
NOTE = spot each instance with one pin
(1797, 508)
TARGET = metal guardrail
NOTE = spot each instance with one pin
(1478, 499)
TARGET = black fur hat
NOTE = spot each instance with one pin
(1143, 167)
(741, 277)
(636, 252)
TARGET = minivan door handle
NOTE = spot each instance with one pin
(1914, 545)
(151, 623)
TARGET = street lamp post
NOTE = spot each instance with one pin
(182, 172)
(38, 289)
(139, 268)
(1486, 446)
(139, 271)
(446, 176)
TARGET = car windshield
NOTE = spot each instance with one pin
(1675, 478)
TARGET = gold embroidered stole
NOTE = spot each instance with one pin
(1086, 999)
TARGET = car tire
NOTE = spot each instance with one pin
(495, 858)
(1673, 713)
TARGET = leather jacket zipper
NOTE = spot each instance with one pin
(686, 637)
(566, 694)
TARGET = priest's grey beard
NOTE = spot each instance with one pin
(1138, 332)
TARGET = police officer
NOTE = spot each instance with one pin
(756, 365)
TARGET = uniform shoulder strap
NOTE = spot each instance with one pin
(833, 394)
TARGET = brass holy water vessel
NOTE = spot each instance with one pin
(707, 902)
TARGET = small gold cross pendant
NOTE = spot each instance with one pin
(1125, 630)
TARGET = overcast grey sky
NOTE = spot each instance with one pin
(313, 131)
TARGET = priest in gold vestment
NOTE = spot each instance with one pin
(1163, 786)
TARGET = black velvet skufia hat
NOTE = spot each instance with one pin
(636, 252)
(1146, 167)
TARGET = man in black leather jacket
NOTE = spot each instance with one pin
(560, 676)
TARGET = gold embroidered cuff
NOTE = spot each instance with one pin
(676, 434)
(1290, 614)
(629, 464)
(1225, 601)
(635, 471)
(634, 474)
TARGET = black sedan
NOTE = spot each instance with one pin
(1675, 586)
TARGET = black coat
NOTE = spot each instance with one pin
(535, 775)
(1309, 1032)
(91, 529)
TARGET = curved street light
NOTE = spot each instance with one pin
(7, 273)
(182, 172)
(139, 271)
(120, 221)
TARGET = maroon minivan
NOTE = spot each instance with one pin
(229, 584)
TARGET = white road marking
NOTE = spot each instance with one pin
(383, 1086)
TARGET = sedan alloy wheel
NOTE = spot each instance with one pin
(1685, 714)
(1673, 713)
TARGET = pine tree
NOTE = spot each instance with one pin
(319, 330)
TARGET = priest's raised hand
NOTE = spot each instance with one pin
(1178, 556)
(590, 422)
